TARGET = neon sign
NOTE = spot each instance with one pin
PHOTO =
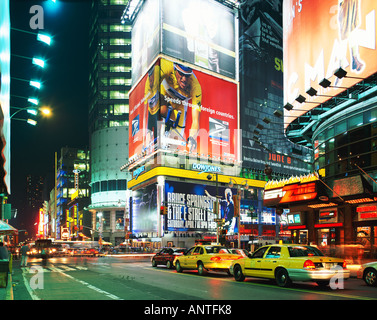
(291, 193)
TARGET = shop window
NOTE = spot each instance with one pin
(119, 220)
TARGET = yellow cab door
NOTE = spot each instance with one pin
(253, 265)
(193, 258)
(186, 259)
(270, 261)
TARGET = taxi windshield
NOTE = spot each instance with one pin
(303, 251)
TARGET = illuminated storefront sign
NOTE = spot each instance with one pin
(138, 171)
(205, 168)
(291, 193)
(367, 212)
(329, 215)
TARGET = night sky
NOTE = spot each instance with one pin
(65, 91)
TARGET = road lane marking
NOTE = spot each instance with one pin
(341, 295)
(88, 285)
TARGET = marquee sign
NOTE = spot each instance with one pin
(293, 190)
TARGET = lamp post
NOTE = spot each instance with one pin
(216, 207)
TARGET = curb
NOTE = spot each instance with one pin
(9, 288)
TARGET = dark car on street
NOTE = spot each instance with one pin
(166, 256)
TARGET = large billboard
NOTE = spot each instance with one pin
(144, 210)
(321, 36)
(190, 207)
(200, 32)
(175, 107)
(5, 94)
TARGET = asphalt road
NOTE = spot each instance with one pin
(135, 280)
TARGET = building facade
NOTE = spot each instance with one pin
(72, 182)
(109, 83)
(330, 107)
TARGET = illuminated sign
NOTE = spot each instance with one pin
(279, 158)
(5, 53)
(321, 36)
(199, 32)
(41, 222)
(367, 212)
(290, 193)
(329, 215)
(138, 171)
(193, 118)
(205, 167)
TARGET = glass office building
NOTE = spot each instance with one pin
(109, 83)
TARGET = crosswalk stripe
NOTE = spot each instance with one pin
(52, 268)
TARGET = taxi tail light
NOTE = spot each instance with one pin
(344, 265)
(240, 257)
(216, 259)
(309, 264)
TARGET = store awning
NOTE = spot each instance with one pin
(7, 230)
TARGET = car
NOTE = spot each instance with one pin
(289, 262)
(242, 252)
(166, 256)
(368, 272)
(206, 258)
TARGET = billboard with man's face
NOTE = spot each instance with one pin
(177, 108)
(321, 36)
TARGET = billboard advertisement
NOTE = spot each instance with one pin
(200, 32)
(175, 107)
(190, 207)
(321, 36)
(261, 88)
(144, 210)
(5, 94)
(145, 38)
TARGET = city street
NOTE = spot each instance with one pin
(120, 278)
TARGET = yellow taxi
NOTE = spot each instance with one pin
(205, 258)
(289, 262)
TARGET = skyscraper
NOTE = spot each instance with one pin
(109, 83)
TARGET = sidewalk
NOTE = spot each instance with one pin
(7, 293)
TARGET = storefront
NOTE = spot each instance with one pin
(340, 221)
(180, 212)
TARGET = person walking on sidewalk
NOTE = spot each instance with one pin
(24, 250)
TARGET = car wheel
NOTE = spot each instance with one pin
(169, 265)
(370, 277)
(282, 278)
(178, 267)
(154, 263)
(201, 269)
(238, 275)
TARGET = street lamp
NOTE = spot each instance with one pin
(32, 110)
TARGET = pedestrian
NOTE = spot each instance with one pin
(4, 254)
(24, 250)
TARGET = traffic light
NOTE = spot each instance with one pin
(163, 210)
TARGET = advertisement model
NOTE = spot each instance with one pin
(319, 38)
(175, 107)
